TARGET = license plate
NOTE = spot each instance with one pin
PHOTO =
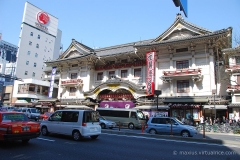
(93, 129)
(25, 128)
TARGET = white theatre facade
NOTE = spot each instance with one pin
(187, 69)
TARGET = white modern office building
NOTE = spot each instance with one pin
(39, 41)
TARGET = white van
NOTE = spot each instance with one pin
(131, 118)
(75, 123)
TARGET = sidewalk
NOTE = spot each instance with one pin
(215, 138)
(201, 132)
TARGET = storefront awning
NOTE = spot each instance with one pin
(77, 107)
(216, 107)
(185, 100)
(40, 106)
(49, 100)
(152, 107)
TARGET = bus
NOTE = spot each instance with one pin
(131, 118)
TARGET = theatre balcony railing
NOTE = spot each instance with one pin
(232, 68)
(191, 73)
(233, 88)
(72, 82)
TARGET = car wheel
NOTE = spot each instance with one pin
(44, 131)
(25, 140)
(94, 137)
(153, 131)
(76, 135)
(185, 134)
(131, 126)
(103, 125)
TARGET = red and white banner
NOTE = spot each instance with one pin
(150, 58)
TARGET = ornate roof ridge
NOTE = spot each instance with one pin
(74, 44)
(122, 45)
(181, 20)
(237, 48)
(84, 46)
(186, 38)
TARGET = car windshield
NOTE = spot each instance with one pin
(178, 121)
(48, 114)
(34, 110)
(140, 115)
(13, 117)
(102, 118)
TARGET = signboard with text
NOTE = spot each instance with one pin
(150, 58)
(52, 82)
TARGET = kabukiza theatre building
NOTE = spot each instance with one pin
(181, 62)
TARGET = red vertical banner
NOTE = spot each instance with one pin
(150, 58)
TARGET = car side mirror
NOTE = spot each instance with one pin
(50, 118)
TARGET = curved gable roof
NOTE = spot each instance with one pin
(178, 24)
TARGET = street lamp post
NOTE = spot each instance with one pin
(214, 92)
(157, 93)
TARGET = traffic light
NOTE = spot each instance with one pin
(183, 6)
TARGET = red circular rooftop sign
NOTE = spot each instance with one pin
(42, 17)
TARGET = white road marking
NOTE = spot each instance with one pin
(179, 141)
(46, 139)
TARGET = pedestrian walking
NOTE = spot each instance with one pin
(202, 120)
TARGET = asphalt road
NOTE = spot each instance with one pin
(115, 147)
(208, 135)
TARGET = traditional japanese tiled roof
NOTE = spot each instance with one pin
(118, 49)
(219, 32)
(236, 49)
(77, 45)
(180, 20)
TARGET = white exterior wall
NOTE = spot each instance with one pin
(49, 46)
(89, 77)
(197, 59)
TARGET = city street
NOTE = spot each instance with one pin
(208, 135)
(109, 146)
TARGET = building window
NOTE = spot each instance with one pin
(73, 75)
(99, 76)
(26, 72)
(35, 64)
(238, 80)
(30, 43)
(111, 62)
(182, 64)
(137, 72)
(181, 50)
(123, 73)
(33, 74)
(36, 55)
(31, 34)
(72, 91)
(37, 45)
(75, 65)
(124, 61)
(182, 86)
(38, 36)
(28, 52)
(111, 74)
(237, 59)
(27, 62)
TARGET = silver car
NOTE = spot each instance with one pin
(106, 123)
(162, 125)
